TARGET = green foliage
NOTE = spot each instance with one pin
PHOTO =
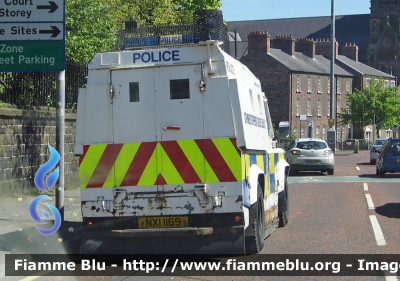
(373, 101)
(6, 79)
(89, 29)
(27, 96)
(49, 102)
(291, 138)
(93, 25)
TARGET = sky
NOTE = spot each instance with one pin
(240, 10)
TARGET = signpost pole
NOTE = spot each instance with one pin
(32, 38)
(60, 127)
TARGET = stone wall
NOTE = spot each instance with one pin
(24, 138)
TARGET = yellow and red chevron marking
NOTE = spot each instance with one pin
(160, 163)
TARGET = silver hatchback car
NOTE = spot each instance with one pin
(375, 149)
(310, 154)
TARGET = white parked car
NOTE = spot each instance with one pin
(310, 154)
(375, 149)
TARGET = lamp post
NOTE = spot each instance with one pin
(395, 54)
(332, 115)
(395, 50)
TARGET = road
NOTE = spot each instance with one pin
(352, 212)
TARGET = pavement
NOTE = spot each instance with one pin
(18, 234)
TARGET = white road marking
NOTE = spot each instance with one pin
(369, 201)
(380, 240)
(30, 278)
(390, 277)
(365, 186)
(358, 168)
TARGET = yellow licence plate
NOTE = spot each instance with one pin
(163, 222)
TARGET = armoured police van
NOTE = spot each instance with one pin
(176, 146)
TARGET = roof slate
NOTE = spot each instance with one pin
(348, 29)
(302, 63)
(362, 68)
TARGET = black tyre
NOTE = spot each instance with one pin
(330, 172)
(380, 172)
(283, 206)
(255, 242)
(372, 161)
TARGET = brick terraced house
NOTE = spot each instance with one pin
(295, 76)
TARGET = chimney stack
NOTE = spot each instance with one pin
(259, 42)
(285, 43)
(306, 46)
(323, 48)
(350, 51)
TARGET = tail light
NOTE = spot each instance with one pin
(327, 152)
(295, 152)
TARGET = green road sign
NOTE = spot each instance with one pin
(32, 55)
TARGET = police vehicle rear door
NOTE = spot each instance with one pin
(179, 115)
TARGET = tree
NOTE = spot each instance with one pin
(375, 104)
(93, 25)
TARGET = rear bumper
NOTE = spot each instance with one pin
(391, 168)
(198, 225)
(319, 167)
(164, 232)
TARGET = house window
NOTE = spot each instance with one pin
(347, 85)
(134, 91)
(343, 133)
(329, 85)
(368, 136)
(295, 131)
(317, 129)
(308, 84)
(338, 109)
(298, 84)
(302, 132)
(319, 107)
(388, 133)
(368, 82)
(329, 108)
(179, 89)
(309, 107)
(319, 85)
(386, 84)
(392, 84)
(297, 106)
(324, 132)
(338, 83)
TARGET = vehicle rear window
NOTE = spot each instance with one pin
(179, 89)
(311, 145)
(134, 91)
(394, 149)
(379, 142)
